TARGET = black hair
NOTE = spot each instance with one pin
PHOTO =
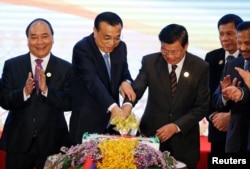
(229, 18)
(243, 26)
(39, 19)
(172, 33)
(109, 17)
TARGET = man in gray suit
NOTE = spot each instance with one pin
(173, 115)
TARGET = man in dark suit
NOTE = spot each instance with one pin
(35, 126)
(218, 121)
(95, 90)
(227, 95)
(1, 93)
(173, 115)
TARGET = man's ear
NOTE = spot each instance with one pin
(95, 32)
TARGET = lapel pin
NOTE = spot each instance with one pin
(48, 74)
(186, 74)
(220, 62)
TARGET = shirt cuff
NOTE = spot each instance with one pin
(242, 93)
(129, 81)
(45, 93)
(111, 107)
(25, 98)
(178, 129)
(211, 116)
(224, 101)
(128, 103)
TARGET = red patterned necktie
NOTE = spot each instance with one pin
(173, 80)
(38, 66)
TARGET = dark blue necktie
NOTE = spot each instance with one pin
(247, 65)
(229, 58)
(106, 59)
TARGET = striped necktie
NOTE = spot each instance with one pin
(173, 80)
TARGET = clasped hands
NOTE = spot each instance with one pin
(124, 111)
(126, 90)
(30, 83)
(164, 133)
(231, 91)
(220, 120)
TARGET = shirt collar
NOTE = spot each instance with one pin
(45, 59)
(235, 54)
(179, 65)
(103, 52)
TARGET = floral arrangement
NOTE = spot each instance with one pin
(122, 153)
(125, 125)
(113, 152)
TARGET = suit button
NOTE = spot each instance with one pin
(170, 115)
(34, 134)
(34, 120)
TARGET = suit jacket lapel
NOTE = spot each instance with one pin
(101, 68)
(51, 67)
(28, 67)
(163, 73)
(185, 72)
(239, 62)
(114, 72)
(28, 62)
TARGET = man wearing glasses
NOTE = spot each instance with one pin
(100, 72)
(178, 95)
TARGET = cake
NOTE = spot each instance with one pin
(151, 141)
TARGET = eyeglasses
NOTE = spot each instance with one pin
(109, 39)
(171, 52)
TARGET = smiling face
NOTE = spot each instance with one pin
(40, 39)
(244, 43)
(173, 53)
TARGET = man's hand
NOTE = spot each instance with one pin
(29, 85)
(245, 76)
(166, 132)
(225, 82)
(127, 109)
(220, 120)
(127, 90)
(232, 93)
(117, 112)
